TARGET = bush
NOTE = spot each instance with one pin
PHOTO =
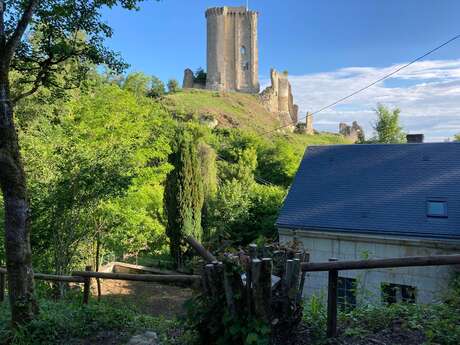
(157, 88)
(200, 76)
(68, 320)
(435, 323)
(173, 86)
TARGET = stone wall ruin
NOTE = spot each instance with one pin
(278, 98)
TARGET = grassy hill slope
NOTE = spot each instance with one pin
(239, 110)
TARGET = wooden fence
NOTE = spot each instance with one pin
(84, 277)
(334, 266)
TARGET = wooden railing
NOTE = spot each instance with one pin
(334, 266)
(84, 277)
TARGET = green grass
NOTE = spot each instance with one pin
(68, 321)
(243, 111)
(231, 109)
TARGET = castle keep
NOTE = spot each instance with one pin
(232, 53)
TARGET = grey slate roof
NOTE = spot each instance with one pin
(376, 189)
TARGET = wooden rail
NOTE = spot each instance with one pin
(155, 278)
(42, 276)
(333, 266)
(410, 261)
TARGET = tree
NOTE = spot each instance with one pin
(157, 88)
(387, 126)
(208, 165)
(457, 137)
(184, 196)
(137, 83)
(278, 163)
(173, 86)
(55, 41)
(200, 76)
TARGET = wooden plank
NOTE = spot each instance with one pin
(266, 285)
(150, 270)
(412, 261)
(257, 297)
(155, 278)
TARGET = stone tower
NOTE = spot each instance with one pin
(232, 52)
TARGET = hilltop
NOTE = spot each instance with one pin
(239, 110)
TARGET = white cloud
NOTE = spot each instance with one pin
(427, 92)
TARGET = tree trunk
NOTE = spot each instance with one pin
(17, 238)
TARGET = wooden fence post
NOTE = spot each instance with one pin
(332, 303)
(2, 286)
(87, 286)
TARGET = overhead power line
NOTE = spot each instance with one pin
(367, 86)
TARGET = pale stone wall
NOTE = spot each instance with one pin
(309, 124)
(232, 52)
(431, 282)
(188, 79)
(353, 133)
(278, 99)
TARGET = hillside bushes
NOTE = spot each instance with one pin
(97, 161)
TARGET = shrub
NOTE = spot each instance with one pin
(173, 86)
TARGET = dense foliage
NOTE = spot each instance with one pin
(437, 323)
(68, 322)
(97, 162)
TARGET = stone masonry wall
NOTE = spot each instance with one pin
(232, 50)
(278, 98)
(431, 282)
(189, 81)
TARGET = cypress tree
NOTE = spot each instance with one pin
(184, 197)
(209, 176)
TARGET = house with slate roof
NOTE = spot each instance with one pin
(351, 202)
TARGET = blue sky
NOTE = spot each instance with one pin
(329, 47)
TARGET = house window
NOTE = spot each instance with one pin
(346, 293)
(397, 293)
(243, 50)
(436, 208)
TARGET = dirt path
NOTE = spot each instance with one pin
(149, 298)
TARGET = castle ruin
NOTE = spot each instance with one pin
(278, 98)
(233, 62)
(307, 127)
(232, 51)
(354, 133)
